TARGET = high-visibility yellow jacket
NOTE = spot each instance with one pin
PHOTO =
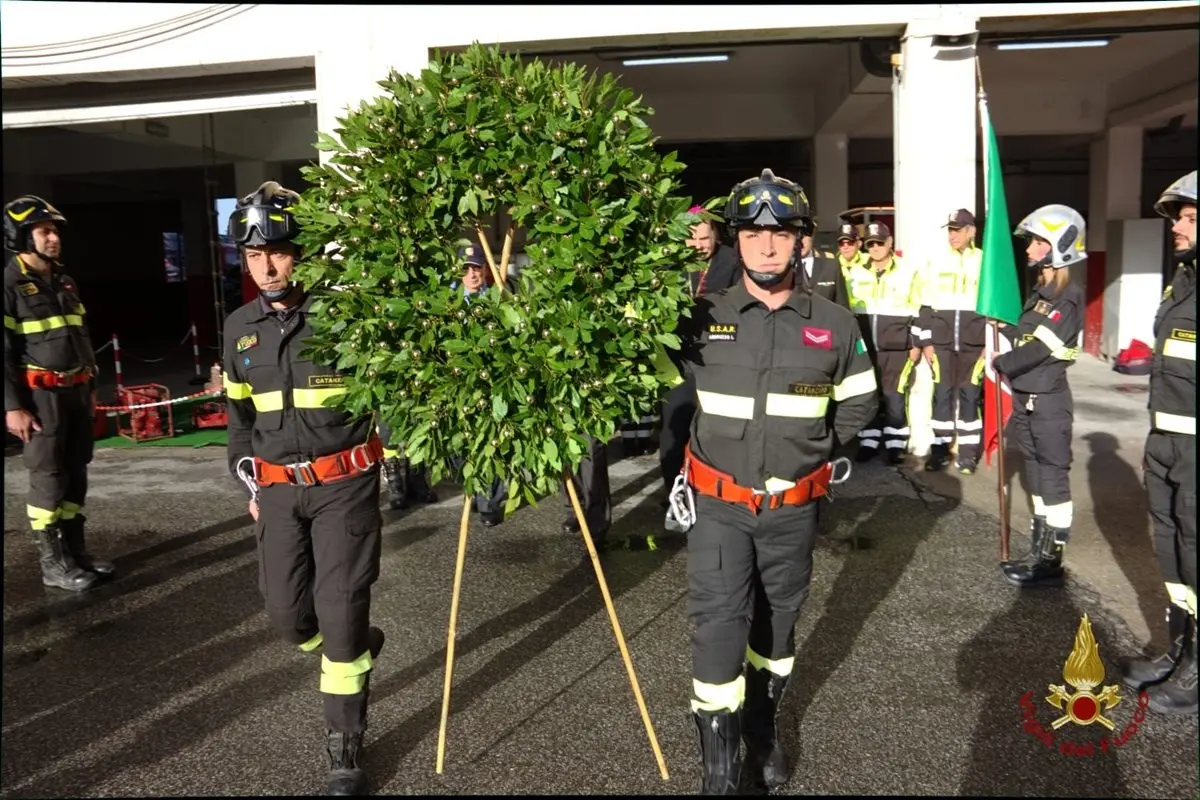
(949, 289)
(886, 303)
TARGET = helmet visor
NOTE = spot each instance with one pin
(751, 205)
(272, 225)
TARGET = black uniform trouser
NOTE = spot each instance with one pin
(955, 374)
(1040, 428)
(418, 483)
(495, 498)
(58, 455)
(679, 407)
(748, 576)
(591, 484)
(318, 556)
(893, 374)
(1170, 474)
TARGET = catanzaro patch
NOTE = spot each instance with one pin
(1183, 335)
(810, 389)
(326, 381)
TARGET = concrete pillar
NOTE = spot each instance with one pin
(934, 140)
(936, 133)
(831, 178)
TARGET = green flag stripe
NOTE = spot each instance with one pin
(999, 294)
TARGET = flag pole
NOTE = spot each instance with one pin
(997, 388)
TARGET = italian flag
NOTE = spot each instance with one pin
(999, 297)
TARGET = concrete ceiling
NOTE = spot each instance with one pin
(1124, 55)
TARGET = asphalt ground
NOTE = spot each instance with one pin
(913, 653)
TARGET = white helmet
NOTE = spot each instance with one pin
(1064, 228)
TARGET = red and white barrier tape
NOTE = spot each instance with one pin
(173, 401)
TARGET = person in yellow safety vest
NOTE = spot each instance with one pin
(952, 338)
(884, 297)
(850, 252)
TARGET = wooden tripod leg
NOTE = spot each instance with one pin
(453, 634)
(616, 625)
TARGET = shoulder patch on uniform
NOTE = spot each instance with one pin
(1026, 338)
(810, 389)
(28, 288)
(1183, 335)
(722, 333)
(818, 337)
(1042, 307)
(1167, 293)
(326, 381)
(246, 342)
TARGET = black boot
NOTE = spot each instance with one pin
(1044, 565)
(720, 739)
(346, 778)
(72, 530)
(417, 485)
(865, 453)
(765, 759)
(939, 457)
(1178, 693)
(895, 456)
(1142, 673)
(58, 567)
(1037, 529)
(393, 474)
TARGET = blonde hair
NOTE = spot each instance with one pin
(1062, 276)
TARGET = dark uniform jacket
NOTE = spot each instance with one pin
(277, 399)
(1045, 343)
(826, 279)
(777, 390)
(723, 272)
(1173, 371)
(45, 327)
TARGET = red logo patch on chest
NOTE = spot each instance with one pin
(818, 337)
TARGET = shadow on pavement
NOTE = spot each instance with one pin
(1123, 517)
(574, 598)
(869, 573)
(1023, 649)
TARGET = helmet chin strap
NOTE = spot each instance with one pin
(275, 295)
(766, 280)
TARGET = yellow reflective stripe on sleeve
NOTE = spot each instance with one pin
(268, 401)
(235, 390)
(339, 677)
(82, 310)
(1058, 348)
(389, 452)
(855, 385)
(314, 398)
(10, 323)
(50, 323)
(718, 697)
(796, 406)
(1174, 423)
(1176, 348)
(1183, 596)
(40, 518)
(777, 666)
(726, 405)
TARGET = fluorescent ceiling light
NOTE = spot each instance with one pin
(1051, 44)
(698, 58)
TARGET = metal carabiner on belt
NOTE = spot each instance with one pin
(247, 478)
(834, 480)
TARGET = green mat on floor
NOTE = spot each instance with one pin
(191, 438)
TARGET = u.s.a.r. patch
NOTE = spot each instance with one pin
(246, 342)
(722, 333)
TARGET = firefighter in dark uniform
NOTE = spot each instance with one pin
(49, 374)
(782, 378)
(821, 274)
(952, 337)
(884, 295)
(1170, 464)
(1045, 344)
(316, 501)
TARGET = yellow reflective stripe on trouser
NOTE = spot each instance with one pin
(40, 518)
(1174, 423)
(312, 644)
(977, 373)
(936, 366)
(902, 384)
(1182, 596)
(339, 677)
(855, 385)
(796, 406)
(1058, 348)
(776, 666)
(1176, 348)
(718, 697)
(68, 510)
(268, 401)
(315, 398)
(235, 390)
(726, 405)
(50, 323)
